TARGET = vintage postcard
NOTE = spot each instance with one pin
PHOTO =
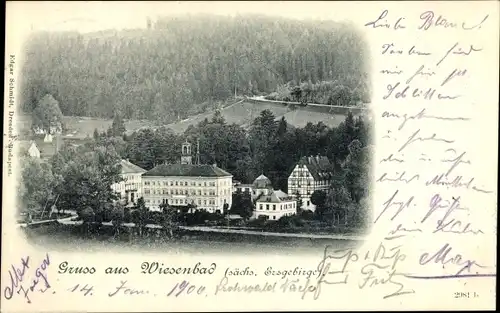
(250, 156)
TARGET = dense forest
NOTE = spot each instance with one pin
(179, 66)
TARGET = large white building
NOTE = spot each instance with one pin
(201, 187)
(275, 205)
(130, 188)
(310, 174)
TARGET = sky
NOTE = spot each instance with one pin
(93, 16)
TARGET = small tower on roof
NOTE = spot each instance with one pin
(186, 157)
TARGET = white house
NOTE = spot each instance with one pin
(33, 151)
(310, 174)
(130, 188)
(275, 205)
(203, 187)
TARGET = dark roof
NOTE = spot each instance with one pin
(319, 166)
(128, 167)
(187, 170)
(262, 182)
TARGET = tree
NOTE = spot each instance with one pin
(318, 198)
(356, 169)
(86, 176)
(47, 116)
(36, 188)
(118, 126)
(218, 118)
(338, 201)
(140, 215)
(297, 94)
(117, 216)
(88, 216)
(168, 218)
(242, 204)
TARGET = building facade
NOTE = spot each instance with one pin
(310, 174)
(239, 187)
(130, 188)
(187, 185)
(275, 205)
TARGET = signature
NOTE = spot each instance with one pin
(442, 257)
(447, 223)
(18, 277)
(381, 268)
(384, 276)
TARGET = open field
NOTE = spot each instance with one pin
(241, 113)
(81, 127)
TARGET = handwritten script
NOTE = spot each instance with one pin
(432, 169)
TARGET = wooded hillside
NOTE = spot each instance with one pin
(169, 70)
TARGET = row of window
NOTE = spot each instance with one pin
(294, 181)
(281, 207)
(186, 192)
(183, 183)
(131, 177)
(179, 201)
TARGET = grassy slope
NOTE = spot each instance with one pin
(241, 113)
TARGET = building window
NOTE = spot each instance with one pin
(146, 191)
(146, 183)
(176, 183)
(308, 203)
(261, 207)
(267, 207)
(274, 207)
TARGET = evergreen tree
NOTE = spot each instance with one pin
(47, 116)
(118, 126)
